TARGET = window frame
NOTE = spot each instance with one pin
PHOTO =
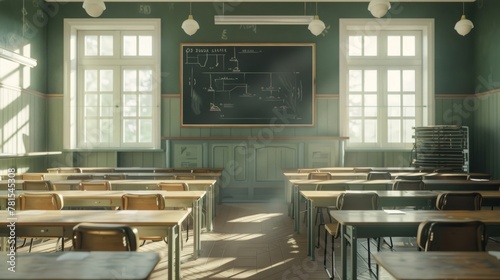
(71, 75)
(367, 26)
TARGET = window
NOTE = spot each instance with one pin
(386, 81)
(112, 94)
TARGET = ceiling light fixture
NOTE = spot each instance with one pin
(262, 20)
(316, 26)
(378, 8)
(94, 8)
(190, 26)
(463, 26)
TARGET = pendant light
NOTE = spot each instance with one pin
(190, 26)
(378, 8)
(316, 26)
(463, 26)
(94, 8)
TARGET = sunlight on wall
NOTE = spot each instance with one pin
(10, 72)
(26, 78)
(16, 132)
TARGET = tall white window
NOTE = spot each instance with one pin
(386, 81)
(112, 84)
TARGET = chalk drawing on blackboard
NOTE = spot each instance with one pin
(254, 85)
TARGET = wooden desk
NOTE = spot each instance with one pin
(377, 223)
(113, 199)
(81, 266)
(315, 199)
(439, 265)
(60, 223)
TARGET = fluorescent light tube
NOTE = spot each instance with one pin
(263, 20)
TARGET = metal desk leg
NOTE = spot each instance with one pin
(196, 228)
(296, 216)
(343, 251)
(210, 205)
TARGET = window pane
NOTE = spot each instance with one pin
(409, 105)
(394, 131)
(91, 105)
(129, 105)
(106, 80)
(106, 105)
(408, 45)
(129, 45)
(370, 46)
(355, 111)
(145, 80)
(370, 131)
(355, 100)
(90, 80)
(355, 46)
(106, 46)
(145, 45)
(370, 81)
(408, 126)
(370, 105)
(146, 105)
(355, 130)
(106, 131)
(355, 78)
(90, 131)
(394, 105)
(393, 45)
(409, 80)
(90, 45)
(393, 80)
(129, 131)
(130, 80)
(145, 131)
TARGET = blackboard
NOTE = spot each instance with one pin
(247, 84)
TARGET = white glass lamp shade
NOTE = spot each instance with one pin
(316, 26)
(378, 8)
(190, 26)
(463, 26)
(94, 8)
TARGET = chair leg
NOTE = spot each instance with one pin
(331, 274)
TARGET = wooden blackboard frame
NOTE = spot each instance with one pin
(248, 84)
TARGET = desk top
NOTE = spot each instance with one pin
(380, 217)
(74, 217)
(115, 194)
(333, 194)
(439, 265)
(80, 266)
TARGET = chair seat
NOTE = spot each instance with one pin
(332, 229)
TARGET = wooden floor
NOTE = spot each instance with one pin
(253, 241)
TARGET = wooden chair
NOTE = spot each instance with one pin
(452, 236)
(408, 185)
(319, 176)
(378, 175)
(144, 202)
(320, 210)
(459, 201)
(44, 185)
(306, 170)
(41, 201)
(180, 186)
(69, 170)
(95, 186)
(348, 201)
(33, 177)
(104, 237)
(410, 177)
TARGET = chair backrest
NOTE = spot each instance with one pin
(41, 201)
(362, 170)
(452, 236)
(378, 175)
(95, 186)
(459, 201)
(44, 185)
(319, 176)
(306, 170)
(69, 170)
(408, 185)
(185, 177)
(358, 201)
(410, 177)
(142, 202)
(115, 176)
(180, 186)
(104, 237)
(33, 177)
(332, 187)
(80, 177)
